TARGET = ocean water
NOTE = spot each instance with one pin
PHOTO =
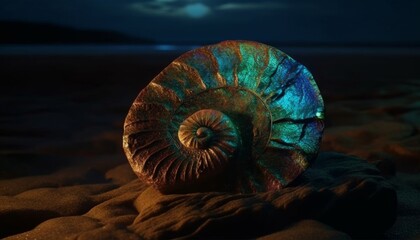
(90, 49)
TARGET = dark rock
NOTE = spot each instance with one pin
(307, 229)
(384, 162)
(344, 192)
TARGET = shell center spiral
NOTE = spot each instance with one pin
(206, 128)
(197, 124)
(203, 132)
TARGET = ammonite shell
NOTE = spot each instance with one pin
(235, 116)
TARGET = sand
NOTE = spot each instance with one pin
(63, 173)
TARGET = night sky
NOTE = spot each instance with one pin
(186, 21)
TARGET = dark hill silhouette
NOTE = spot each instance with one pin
(44, 33)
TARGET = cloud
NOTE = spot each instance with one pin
(152, 8)
(252, 6)
(195, 9)
(168, 8)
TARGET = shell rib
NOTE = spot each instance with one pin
(235, 116)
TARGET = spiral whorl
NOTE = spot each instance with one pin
(235, 116)
(209, 129)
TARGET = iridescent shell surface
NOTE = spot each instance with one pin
(236, 116)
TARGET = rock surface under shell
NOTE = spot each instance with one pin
(341, 194)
